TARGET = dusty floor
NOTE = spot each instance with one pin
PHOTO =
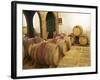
(77, 56)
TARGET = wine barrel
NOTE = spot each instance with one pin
(52, 54)
(77, 30)
(33, 51)
(37, 39)
(66, 38)
(61, 43)
(60, 35)
(72, 38)
(45, 54)
(27, 42)
(68, 42)
(83, 40)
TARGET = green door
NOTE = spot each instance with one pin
(50, 22)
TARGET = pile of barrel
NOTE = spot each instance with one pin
(46, 53)
(77, 37)
(62, 41)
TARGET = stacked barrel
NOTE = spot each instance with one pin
(63, 42)
(47, 53)
(77, 37)
(27, 42)
(41, 52)
(44, 53)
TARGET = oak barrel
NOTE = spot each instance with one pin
(83, 40)
(68, 42)
(77, 30)
(27, 42)
(72, 38)
(61, 43)
(45, 54)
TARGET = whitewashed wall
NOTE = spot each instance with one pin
(69, 20)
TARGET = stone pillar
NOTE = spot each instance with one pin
(56, 22)
(29, 19)
(43, 25)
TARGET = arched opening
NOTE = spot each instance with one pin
(29, 19)
(33, 23)
(24, 27)
(50, 23)
(37, 24)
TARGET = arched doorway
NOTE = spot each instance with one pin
(50, 23)
(33, 23)
(37, 24)
(29, 18)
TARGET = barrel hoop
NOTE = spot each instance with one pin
(35, 53)
(49, 52)
(53, 57)
(48, 55)
(42, 55)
